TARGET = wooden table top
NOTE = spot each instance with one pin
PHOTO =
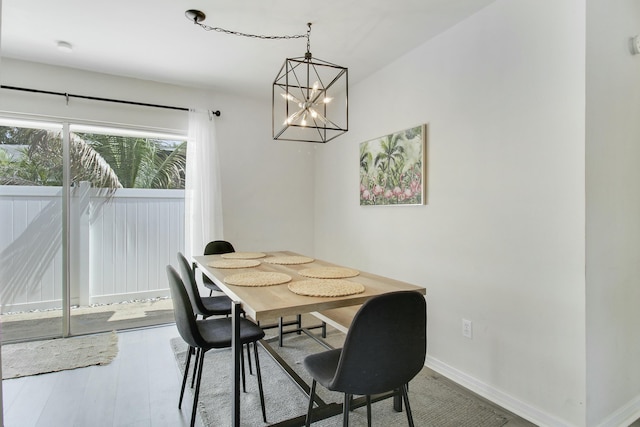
(269, 302)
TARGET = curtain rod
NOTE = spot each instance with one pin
(94, 98)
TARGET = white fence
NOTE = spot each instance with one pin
(119, 246)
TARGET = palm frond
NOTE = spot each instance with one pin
(89, 165)
(169, 172)
(16, 180)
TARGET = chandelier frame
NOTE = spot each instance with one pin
(305, 81)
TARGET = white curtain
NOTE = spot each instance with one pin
(203, 200)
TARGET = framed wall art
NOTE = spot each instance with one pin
(392, 169)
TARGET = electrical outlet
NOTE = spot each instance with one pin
(467, 328)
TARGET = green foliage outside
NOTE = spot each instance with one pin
(34, 157)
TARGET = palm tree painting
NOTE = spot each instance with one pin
(392, 168)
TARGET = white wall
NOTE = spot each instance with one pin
(501, 240)
(613, 212)
(267, 185)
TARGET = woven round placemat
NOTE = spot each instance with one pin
(257, 278)
(233, 263)
(326, 288)
(329, 272)
(243, 255)
(289, 259)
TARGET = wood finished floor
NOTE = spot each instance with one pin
(139, 388)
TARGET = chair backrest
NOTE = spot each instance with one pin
(189, 280)
(218, 247)
(182, 310)
(385, 346)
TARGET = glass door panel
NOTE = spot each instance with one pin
(126, 225)
(31, 230)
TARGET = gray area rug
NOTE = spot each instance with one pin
(433, 401)
(41, 357)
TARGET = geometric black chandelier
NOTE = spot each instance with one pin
(310, 97)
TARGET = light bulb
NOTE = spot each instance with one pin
(292, 117)
(327, 100)
(318, 116)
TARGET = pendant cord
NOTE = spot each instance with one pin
(253, 36)
(197, 17)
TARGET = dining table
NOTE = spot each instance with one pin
(267, 302)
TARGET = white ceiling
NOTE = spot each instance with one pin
(153, 40)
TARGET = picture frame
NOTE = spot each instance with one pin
(393, 169)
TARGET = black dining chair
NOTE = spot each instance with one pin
(384, 349)
(207, 334)
(216, 247)
(206, 306)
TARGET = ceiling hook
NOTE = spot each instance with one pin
(196, 16)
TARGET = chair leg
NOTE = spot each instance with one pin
(280, 331)
(345, 410)
(249, 358)
(259, 375)
(197, 392)
(307, 422)
(244, 383)
(186, 374)
(405, 397)
(368, 410)
(299, 323)
(195, 367)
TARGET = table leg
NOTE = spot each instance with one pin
(236, 346)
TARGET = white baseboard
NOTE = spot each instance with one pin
(623, 416)
(496, 396)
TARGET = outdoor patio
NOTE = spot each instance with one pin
(84, 320)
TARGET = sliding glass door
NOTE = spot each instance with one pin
(89, 219)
